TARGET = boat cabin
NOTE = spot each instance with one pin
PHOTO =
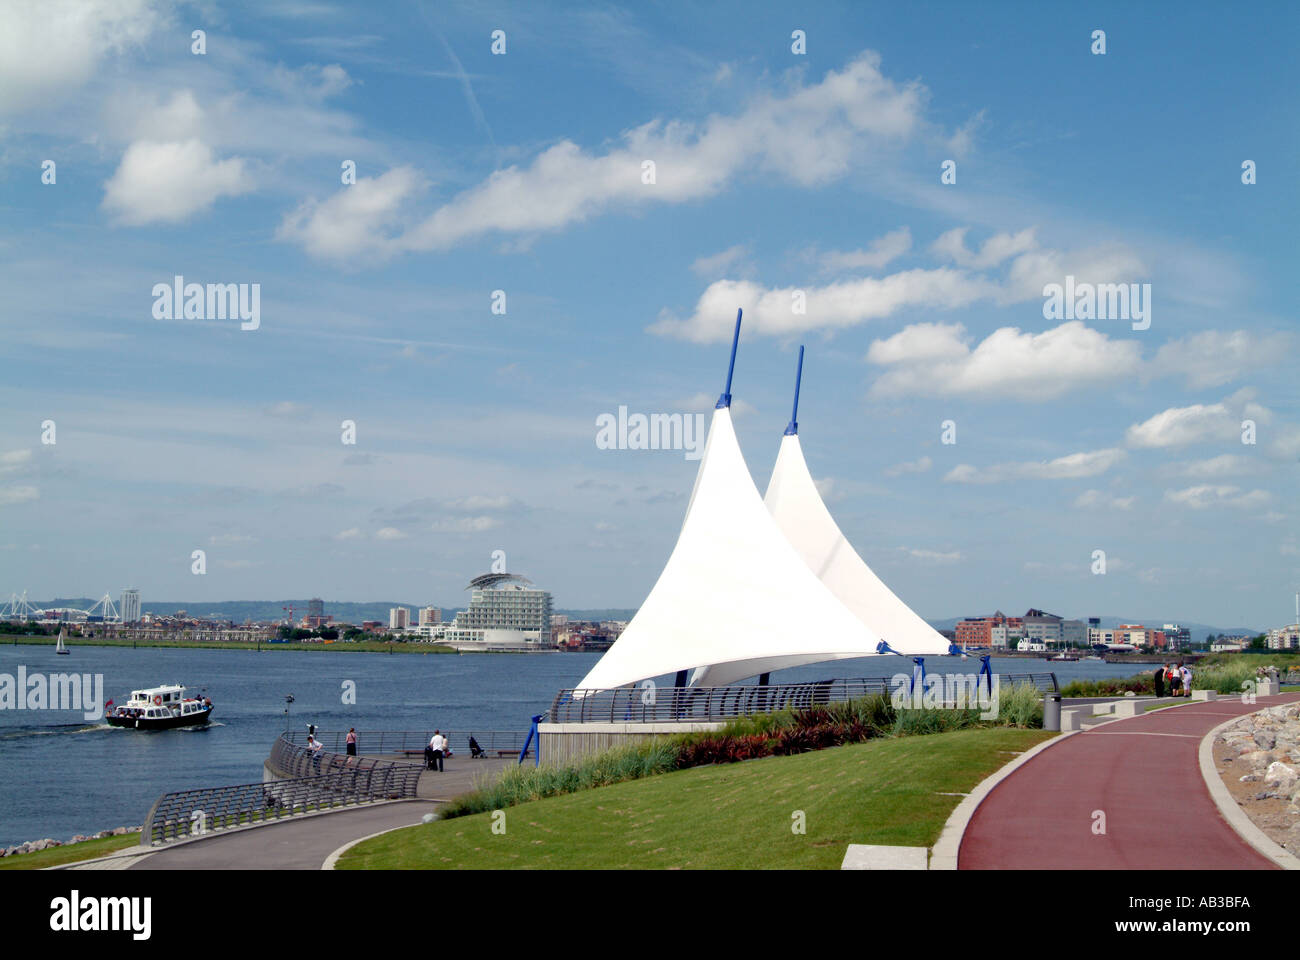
(168, 695)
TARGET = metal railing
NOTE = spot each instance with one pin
(344, 781)
(629, 704)
(413, 741)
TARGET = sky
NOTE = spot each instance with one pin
(538, 236)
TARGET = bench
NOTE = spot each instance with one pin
(512, 753)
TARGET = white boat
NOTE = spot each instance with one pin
(59, 647)
(160, 708)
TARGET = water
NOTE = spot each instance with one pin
(63, 775)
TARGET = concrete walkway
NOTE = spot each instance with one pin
(303, 843)
(1142, 774)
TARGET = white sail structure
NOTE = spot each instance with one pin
(803, 518)
(735, 595)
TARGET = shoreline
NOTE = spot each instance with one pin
(365, 646)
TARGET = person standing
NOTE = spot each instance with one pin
(437, 746)
(1175, 682)
(1160, 679)
(352, 741)
(1186, 673)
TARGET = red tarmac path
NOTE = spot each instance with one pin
(1143, 773)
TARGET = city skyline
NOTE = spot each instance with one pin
(521, 173)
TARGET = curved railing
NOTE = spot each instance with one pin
(648, 705)
(184, 814)
(413, 741)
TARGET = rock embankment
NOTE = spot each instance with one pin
(31, 846)
(1259, 760)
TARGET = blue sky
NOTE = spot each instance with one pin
(774, 173)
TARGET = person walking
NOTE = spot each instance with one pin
(1160, 679)
(352, 741)
(437, 747)
(1186, 673)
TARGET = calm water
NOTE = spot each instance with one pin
(63, 775)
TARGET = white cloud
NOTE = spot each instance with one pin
(834, 306)
(1075, 465)
(1223, 465)
(996, 249)
(466, 524)
(352, 533)
(1213, 357)
(807, 134)
(1095, 498)
(17, 494)
(49, 48)
(933, 359)
(720, 262)
(932, 556)
(14, 460)
(229, 539)
(913, 466)
(167, 182)
(354, 222)
(882, 250)
(289, 410)
(1180, 426)
(1209, 495)
(389, 533)
(705, 402)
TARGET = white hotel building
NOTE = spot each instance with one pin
(506, 612)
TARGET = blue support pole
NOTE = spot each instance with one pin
(537, 757)
(724, 401)
(793, 428)
(985, 671)
(919, 667)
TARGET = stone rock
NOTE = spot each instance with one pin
(1267, 739)
(1249, 778)
(1282, 775)
(120, 831)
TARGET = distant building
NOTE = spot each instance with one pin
(1179, 637)
(130, 606)
(372, 626)
(1285, 638)
(1042, 627)
(316, 608)
(429, 616)
(559, 619)
(399, 618)
(505, 612)
(1031, 646)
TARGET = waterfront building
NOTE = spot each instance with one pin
(399, 618)
(505, 612)
(1284, 638)
(130, 607)
(430, 616)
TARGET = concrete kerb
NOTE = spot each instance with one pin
(141, 851)
(943, 855)
(1231, 811)
(333, 858)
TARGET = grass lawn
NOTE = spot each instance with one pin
(727, 816)
(86, 850)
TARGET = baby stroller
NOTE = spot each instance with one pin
(475, 751)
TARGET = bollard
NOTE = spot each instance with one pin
(1052, 710)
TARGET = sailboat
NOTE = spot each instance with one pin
(59, 647)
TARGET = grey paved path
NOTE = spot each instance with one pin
(304, 843)
(301, 844)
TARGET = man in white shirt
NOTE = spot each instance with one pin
(437, 747)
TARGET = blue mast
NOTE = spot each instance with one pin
(724, 401)
(793, 429)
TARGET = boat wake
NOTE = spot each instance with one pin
(53, 730)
